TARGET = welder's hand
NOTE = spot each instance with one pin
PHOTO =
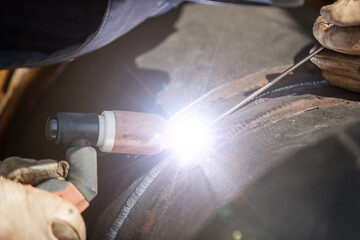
(77, 184)
(80, 185)
(338, 29)
(30, 171)
(343, 13)
(339, 69)
(31, 213)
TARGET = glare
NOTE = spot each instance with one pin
(188, 138)
(237, 235)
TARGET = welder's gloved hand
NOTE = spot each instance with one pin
(30, 171)
(31, 213)
(338, 29)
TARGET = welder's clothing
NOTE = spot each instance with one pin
(37, 33)
(338, 29)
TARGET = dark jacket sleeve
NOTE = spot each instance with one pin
(35, 33)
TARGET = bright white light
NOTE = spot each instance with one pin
(188, 138)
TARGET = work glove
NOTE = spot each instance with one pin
(31, 213)
(30, 171)
(74, 179)
(338, 30)
(49, 206)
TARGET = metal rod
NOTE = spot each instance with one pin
(261, 90)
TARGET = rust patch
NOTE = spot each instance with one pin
(289, 109)
(150, 217)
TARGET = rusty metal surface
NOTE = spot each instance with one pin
(176, 200)
(312, 195)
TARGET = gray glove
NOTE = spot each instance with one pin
(30, 171)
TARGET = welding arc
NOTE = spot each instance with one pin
(261, 90)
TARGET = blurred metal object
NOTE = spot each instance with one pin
(20, 89)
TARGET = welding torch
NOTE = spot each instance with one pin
(112, 131)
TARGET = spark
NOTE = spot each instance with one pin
(188, 138)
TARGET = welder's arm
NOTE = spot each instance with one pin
(338, 29)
